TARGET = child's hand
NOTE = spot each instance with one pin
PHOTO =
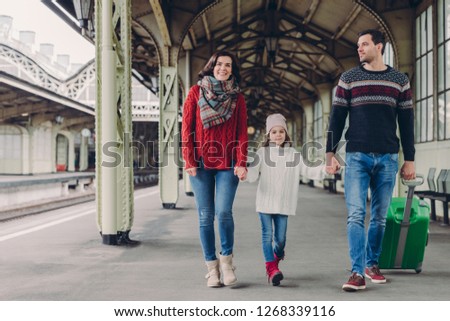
(240, 172)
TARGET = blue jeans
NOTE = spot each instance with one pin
(364, 171)
(275, 235)
(214, 192)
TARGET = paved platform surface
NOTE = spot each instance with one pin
(58, 255)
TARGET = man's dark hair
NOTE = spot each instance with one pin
(377, 37)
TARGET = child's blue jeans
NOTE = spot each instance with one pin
(273, 227)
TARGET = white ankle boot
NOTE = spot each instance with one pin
(226, 265)
(213, 275)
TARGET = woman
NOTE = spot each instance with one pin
(214, 133)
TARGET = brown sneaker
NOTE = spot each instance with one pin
(355, 282)
(374, 274)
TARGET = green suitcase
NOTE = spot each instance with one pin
(406, 234)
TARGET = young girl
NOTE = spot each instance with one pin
(279, 167)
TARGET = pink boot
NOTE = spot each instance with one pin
(273, 273)
(278, 259)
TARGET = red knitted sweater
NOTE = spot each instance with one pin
(219, 145)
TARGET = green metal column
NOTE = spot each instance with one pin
(187, 85)
(114, 172)
(125, 192)
(84, 153)
(168, 136)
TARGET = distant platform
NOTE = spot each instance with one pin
(28, 194)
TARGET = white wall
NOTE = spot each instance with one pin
(41, 149)
(13, 139)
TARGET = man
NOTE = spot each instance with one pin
(376, 97)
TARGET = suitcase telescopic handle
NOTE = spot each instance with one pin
(414, 182)
(404, 226)
(409, 197)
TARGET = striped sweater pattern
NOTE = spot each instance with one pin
(375, 102)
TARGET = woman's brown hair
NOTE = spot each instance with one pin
(208, 70)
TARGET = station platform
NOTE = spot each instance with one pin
(22, 195)
(58, 256)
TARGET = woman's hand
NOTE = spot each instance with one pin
(240, 172)
(191, 171)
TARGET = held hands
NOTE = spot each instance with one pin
(240, 172)
(191, 171)
(332, 165)
(408, 171)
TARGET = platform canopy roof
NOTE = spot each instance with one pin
(286, 48)
(22, 101)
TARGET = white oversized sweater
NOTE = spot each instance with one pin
(279, 170)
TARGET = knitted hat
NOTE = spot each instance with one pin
(275, 120)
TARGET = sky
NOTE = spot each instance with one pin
(35, 16)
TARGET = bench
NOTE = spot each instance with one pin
(145, 177)
(430, 192)
(332, 182)
(80, 183)
(439, 191)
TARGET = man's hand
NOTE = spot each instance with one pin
(408, 171)
(332, 166)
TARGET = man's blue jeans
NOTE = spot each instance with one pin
(214, 192)
(364, 171)
(273, 237)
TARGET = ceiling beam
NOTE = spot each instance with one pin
(193, 37)
(161, 21)
(68, 122)
(342, 28)
(19, 110)
(8, 97)
(187, 42)
(311, 11)
(205, 25)
(314, 29)
(238, 11)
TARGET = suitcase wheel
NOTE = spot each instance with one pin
(418, 268)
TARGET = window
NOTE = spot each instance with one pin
(304, 137)
(318, 122)
(424, 77)
(388, 56)
(443, 86)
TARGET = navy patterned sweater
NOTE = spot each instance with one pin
(374, 101)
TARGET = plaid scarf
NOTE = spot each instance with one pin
(217, 100)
